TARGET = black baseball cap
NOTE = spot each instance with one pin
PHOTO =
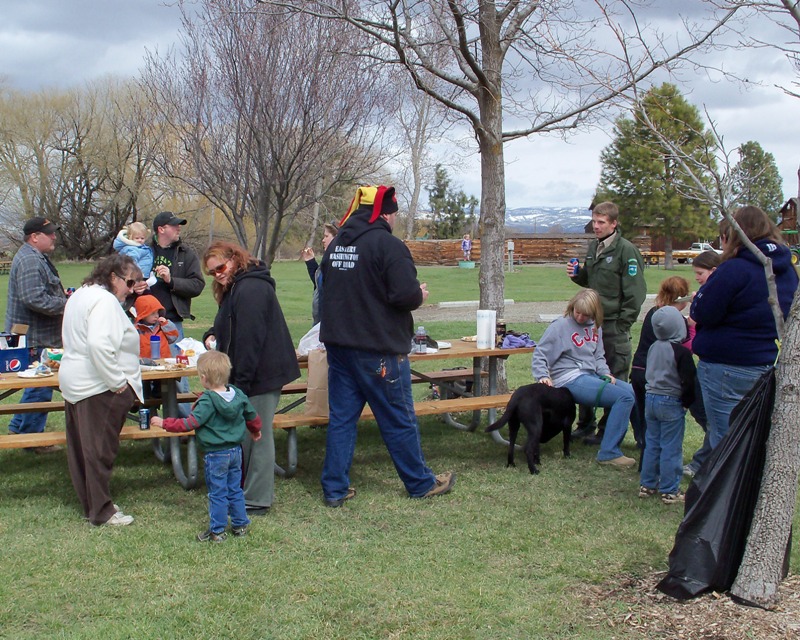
(39, 225)
(166, 218)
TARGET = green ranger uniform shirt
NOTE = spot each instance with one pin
(617, 276)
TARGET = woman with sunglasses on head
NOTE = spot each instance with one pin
(100, 379)
(314, 271)
(251, 329)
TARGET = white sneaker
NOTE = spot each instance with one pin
(119, 519)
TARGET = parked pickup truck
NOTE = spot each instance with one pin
(687, 255)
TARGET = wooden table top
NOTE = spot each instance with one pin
(459, 349)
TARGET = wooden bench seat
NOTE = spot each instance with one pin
(293, 388)
(58, 405)
(281, 421)
(426, 408)
(290, 421)
(445, 375)
(48, 438)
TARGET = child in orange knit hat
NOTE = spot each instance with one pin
(151, 322)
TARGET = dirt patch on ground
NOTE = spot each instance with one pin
(713, 616)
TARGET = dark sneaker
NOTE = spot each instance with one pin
(595, 439)
(50, 448)
(238, 532)
(673, 498)
(209, 536)
(645, 492)
(333, 504)
(444, 484)
(583, 431)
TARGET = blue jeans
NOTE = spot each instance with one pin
(724, 385)
(618, 397)
(662, 464)
(31, 422)
(698, 412)
(223, 470)
(354, 378)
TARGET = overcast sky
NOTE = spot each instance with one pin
(61, 43)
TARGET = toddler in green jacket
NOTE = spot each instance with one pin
(221, 417)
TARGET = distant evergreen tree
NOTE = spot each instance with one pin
(756, 180)
(452, 212)
(648, 184)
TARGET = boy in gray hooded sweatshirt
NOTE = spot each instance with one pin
(670, 375)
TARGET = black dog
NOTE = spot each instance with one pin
(545, 411)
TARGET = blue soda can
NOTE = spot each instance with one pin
(576, 266)
(144, 419)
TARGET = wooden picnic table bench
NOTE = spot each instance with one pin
(187, 475)
(454, 401)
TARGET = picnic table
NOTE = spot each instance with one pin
(11, 383)
(456, 399)
(184, 463)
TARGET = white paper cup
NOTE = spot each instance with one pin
(487, 324)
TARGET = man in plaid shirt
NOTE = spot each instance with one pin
(36, 298)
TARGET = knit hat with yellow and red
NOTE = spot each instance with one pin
(382, 199)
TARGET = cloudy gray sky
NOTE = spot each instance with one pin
(61, 43)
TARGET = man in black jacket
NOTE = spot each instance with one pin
(177, 269)
(179, 278)
(370, 290)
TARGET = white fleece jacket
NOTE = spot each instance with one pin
(101, 346)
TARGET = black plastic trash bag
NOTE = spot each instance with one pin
(721, 500)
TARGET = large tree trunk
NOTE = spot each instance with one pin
(492, 227)
(761, 569)
(493, 173)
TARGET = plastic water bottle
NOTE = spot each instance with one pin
(155, 347)
(421, 341)
(576, 266)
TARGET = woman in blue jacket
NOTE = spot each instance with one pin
(736, 331)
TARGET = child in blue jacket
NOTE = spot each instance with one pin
(132, 241)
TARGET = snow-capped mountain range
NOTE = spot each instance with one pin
(544, 219)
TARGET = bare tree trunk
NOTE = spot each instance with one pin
(315, 214)
(761, 569)
(668, 261)
(492, 228)
(413, 203)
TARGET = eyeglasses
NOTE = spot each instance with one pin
(129, 282)
(218, 270)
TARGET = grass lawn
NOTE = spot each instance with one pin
(506, 555)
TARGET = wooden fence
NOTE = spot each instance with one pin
(528, 249)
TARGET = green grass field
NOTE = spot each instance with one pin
(506, 555)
